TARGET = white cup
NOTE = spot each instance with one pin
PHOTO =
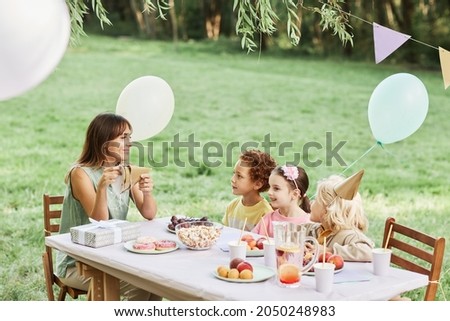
(324, 276)
(270, 259)
(381, 260)
(237, 249)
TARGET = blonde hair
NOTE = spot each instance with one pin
(340, 214)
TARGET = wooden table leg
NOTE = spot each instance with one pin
(103, 287)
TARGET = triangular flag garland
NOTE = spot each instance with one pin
(386, 41)
(444, 57)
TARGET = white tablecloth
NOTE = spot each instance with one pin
(188, 275)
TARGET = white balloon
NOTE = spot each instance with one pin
(33, 38)
(148, 103)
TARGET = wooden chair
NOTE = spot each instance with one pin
(416, 251)
(52, 217)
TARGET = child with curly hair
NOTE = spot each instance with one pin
(287, 193)
(250, 178)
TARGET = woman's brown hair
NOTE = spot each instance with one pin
(102, 129)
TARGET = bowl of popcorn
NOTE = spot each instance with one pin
(198, 235)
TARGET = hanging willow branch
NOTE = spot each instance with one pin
(333, 18)
(254, 18)
(79, 8)
(257, 17)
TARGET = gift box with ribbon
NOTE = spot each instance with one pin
(104, 233)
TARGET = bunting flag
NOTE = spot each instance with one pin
(386, 41)
(444, 56)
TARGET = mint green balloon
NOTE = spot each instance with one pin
(397, 108)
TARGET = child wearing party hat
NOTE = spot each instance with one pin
(340, 217)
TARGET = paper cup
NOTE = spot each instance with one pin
(237, 249)
(269, 254)
(381, 260)
(324, 276)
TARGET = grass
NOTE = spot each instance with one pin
(222, 97)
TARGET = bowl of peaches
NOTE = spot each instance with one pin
(198, 235)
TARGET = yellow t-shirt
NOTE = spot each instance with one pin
(236, 213)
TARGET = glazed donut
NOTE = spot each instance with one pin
(165, 245)
(144, 243)
(144, 246)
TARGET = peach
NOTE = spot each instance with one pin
(244, 266)
(247, 237)
(337, 260)
(235, 262)
(252, 243)
(327, 256)
(223, 271)
(233, 274)
(246, 274)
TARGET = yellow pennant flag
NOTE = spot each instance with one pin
(444, 56)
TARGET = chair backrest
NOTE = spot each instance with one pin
(416, 251)
(52, 216)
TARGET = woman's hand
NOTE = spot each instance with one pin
(142, 196)
(109, 176)
(145, 184)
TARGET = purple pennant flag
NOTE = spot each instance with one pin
(386, 41)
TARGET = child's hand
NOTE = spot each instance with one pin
(309, 246)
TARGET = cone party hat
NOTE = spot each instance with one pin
(348, 188)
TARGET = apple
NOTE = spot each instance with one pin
(235, 262)
(327, 256)
(337, 260)
(259, 243)
(244, 266)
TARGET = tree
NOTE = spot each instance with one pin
(256, 19)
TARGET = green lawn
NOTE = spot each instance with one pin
(223, 98)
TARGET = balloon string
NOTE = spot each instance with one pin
(349, 166)
(389, 153)
(362, 156)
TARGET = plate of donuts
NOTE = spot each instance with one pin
(150, 245)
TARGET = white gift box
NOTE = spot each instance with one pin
(104, 233)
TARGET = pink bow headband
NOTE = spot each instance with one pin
(291, 173)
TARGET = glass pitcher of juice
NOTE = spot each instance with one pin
(290, 247)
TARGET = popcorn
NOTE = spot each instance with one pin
(199, 236)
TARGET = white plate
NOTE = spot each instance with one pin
(260, 273)
(312, 273)
(253, 253)
(129, 246)
(169, 221)
(168, 229)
